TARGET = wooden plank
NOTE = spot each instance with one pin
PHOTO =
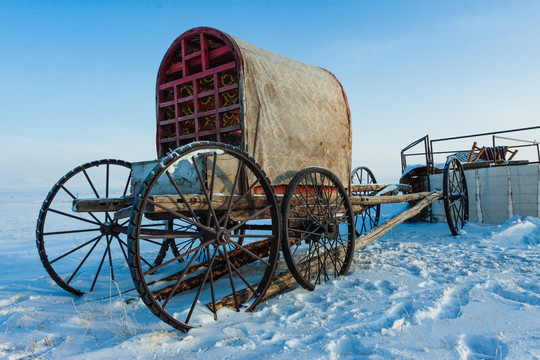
(198, 203)
(377, 200)
(378, 187)
(100, 205)
(391, 223)
(367, 187)
(123, 213)
(242, 210)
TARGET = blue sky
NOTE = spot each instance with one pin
(78, 78)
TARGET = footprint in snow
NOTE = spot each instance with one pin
(476, 347)
(531, 287)
(15, 299)
(394, 317)
(348, 346)
(369, 286)
(448, 306)
(386, 287)
(414, 269)
(517, 296)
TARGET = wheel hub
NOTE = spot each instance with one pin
(110, 228)
(332, 228)
(223, 236)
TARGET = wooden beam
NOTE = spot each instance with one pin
(221, 202)
(391, 223)
(377, 200)
(123, 213)
(99, 205)
(378, 187)
(367, 187)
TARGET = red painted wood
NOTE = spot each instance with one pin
(187, 79)
(204, 53)
(190, 69)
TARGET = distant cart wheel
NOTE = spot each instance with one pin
(80, 250)
(455, 195)
(318, 227)
(369, 218)
(223, 245)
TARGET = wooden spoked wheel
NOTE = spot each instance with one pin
(369, 218)
(455, 195)
(223, 245)
(318, 227)
(83, 250)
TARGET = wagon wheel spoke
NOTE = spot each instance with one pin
(230, 205)
(368, 219)
(109, 240)
(213, 248)
(69, 232)
(317, 227)
(83, 260)
(176, 258)
(250, 253)
(212, 291)
(180, 216)
(59, 228)
(208, 271)
(73, 216)
(75, 249)
(229, 272)
(180, 278)
(240, 275)
(226, 216)
(121, 245)
(142, 258)
(101, 263)
(74, 197)
(251, 217)
(205, 190)
(128, 181)
(91, 183)
(171, 180)
(308, 211)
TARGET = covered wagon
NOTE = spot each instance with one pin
(254, 159)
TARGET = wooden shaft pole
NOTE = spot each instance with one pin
(377, 200)
(391, 223)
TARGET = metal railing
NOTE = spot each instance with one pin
(429, 154)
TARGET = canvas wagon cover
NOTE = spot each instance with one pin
(293, 114)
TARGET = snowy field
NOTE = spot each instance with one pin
(416, 293)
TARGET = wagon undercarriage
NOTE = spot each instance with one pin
(221, 247)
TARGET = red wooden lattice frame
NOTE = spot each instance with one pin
(198, 91)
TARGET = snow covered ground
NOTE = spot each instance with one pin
(416, 293)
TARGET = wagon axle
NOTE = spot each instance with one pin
(223, 237)
(112, 228)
